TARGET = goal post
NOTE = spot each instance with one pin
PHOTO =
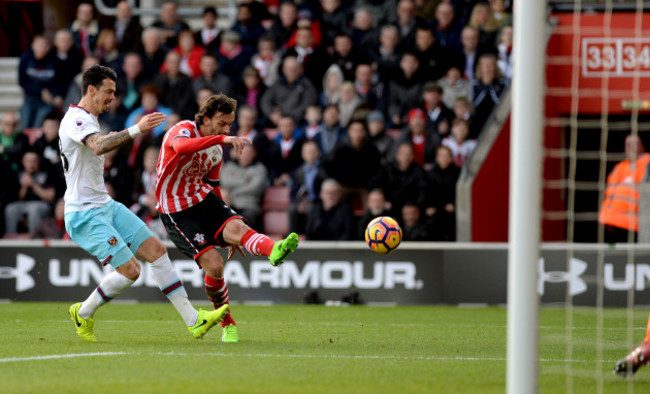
(526, 153)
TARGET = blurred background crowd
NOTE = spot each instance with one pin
(356, 108)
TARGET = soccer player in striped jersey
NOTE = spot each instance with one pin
(104, 227)
(192, 208)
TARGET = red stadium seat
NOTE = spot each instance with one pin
(276, 198)
(276, 224)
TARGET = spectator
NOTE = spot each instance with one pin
(209, 35)
(191, 55)
(332, 81)
(267, 60)
(150, 103)
(306, 182)
(133, 78)
(170, 24)
(406, 22)
(463, 110)
(73, 94)
(331, 219)
(377, 134)
(152, 53)
(305, 20)
(353, 163)
(232, 56)
(211, 77)
(202, 95)
(175, 87)
(383, 12)
(290, 156)
(250, 89)
(37, 77)
(314, 59)
(348, 103)
(334, 21)
(34, 197)
(49, 153)
(331, 132)
(504, 51)
(439, 117)
(434, 59)
(313, 120)
(446, 28)
(386, 55)
(119, 176)
(469, 54)
(426, 9)
(487, 88)
(107, 50)
(285, 24)
(461, 147)
(619, 212)
(85, 29)
(345, 56)
(401, 180)
(13, 143)
(413, 226)
(371, 91)
(424, 143)
(53, 227)
(376, 205)
(248, 26)
(68, 60)
(246, 127)
(404, 89)
(291, 94)
(441, 196)
(454, 86)
(363, 28)
(482, 20)
(499, 12)
(127, 28)
(245, 179)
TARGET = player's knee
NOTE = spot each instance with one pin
(130, 270)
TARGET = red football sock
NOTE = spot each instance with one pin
(647, 332)
(217, 292)
(257, 244)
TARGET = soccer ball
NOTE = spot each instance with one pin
(383, 234)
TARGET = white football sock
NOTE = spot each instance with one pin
(171, 286)
(110, 287)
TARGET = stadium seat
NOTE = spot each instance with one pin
(276, 198)
(276, 224)
(33, 134)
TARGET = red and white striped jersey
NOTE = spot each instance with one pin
(188, 167)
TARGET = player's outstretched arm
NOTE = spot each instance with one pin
(101, 144)
(236, 142)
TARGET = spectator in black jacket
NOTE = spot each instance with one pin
(127, 28)
(314, 59)
(37, 77)
(424, 142)
(209, 35)
(85, 28)
(306, 183)
(13, 143)
(346, 56)
(487, 88)
(170, 24)
(211, 77)
(332, 218)
(404, 89)
(441, 196)
(176, 88)
(285, 24)
(152, 53)
(68, 59)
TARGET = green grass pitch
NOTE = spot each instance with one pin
(145, 348)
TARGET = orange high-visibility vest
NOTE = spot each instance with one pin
(621, 205)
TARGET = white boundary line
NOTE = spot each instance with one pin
(271, 355)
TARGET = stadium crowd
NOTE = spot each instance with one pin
(359, 108)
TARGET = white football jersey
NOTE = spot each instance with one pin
(84, 170)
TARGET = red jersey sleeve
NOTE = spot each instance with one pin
(184, 145)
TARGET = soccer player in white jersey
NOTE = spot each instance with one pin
(106, 228)
(192, 208)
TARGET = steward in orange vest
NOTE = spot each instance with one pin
(620, 208)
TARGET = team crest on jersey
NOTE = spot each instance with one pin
(79, 122)
(112, 241)
(200, 238)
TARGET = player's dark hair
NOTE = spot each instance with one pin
(95, 76)
(217, 103)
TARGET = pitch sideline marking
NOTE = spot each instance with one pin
(270, 355)
(59, 356)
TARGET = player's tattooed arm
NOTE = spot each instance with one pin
(102, 143)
